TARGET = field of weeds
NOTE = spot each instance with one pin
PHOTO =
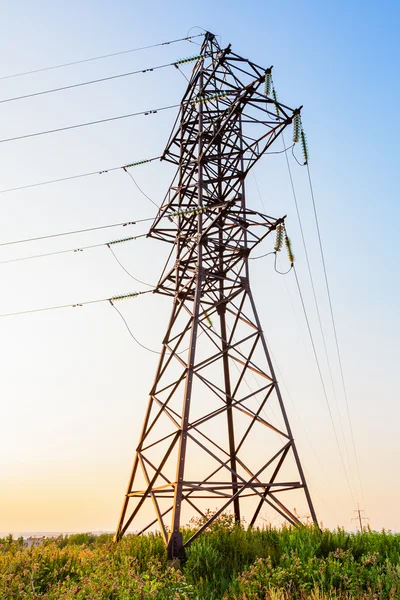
(228, 562)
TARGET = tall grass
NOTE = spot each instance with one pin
(227, 562)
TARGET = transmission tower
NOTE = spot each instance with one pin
(216, 433)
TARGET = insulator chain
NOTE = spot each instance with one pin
(300, 136)
(268, 82)
(282, 236)
(203, 99)
(127, 239)
(193, 211)
(135, 164)
(280, 231)
(288, 245)
(132, 295)
(183, 61)
(304, 146)
(275, 97)
(296, 127)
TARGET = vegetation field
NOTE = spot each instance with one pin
(228, 562)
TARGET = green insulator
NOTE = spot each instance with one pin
(296, 127)
(275, 97)
(203, 99)
(279, 237)
(190, 211)
(209, 320)
(187, 60)
(288, 244)
(304, 147)
(128, 239)
(133, 295)
(135, 164)
(268, 82)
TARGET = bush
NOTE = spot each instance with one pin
(228, 561)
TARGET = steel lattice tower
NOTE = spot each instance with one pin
(207, 440)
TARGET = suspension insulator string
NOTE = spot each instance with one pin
(275, 97)
(288, 245)
(268, 81)
(304, 146)
(296, 127)
(280, 230)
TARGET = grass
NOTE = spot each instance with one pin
(227, 562)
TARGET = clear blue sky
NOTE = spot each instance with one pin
(73, 383)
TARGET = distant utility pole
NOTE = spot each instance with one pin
(207, 440)
(360, 518)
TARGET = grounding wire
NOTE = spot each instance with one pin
(70, 177)
(85, 60)
(315, 298)
(87, 124)
(322, 382)
(84, 83)
(334, 327)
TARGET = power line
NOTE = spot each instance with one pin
(93, 81)
(84, 83)
(76, 231)
(314, 295)
(70, 177)
(322, 380)
(109, 119)
(79, 304)
(334, 327)
(80, 249)
(85, 60)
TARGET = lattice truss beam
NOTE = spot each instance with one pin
(216, 433)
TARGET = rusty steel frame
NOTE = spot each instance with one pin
(225, 124)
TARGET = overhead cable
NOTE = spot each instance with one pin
(109, 119)
(85, 60)
(299, 219)
(70, 177)
(79, 304)
(93, 81)
(76, 231)
(334, 327)
(75, 250)
(322, 383)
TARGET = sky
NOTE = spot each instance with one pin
(74, 384)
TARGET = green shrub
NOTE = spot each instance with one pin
(228, 561)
